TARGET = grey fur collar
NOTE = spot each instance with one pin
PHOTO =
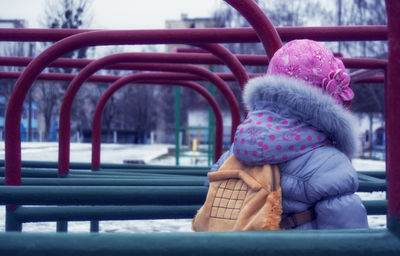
(295, 98)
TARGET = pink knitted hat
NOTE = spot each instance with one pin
(314, 63)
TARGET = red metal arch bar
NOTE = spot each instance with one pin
(177, 76)
(187, 58)
(219, 35)
(96, 125)
(229, 59)
(14, 110)
(259, 21)
(228, 77)
(65, 111)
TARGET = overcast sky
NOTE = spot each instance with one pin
(117, 14)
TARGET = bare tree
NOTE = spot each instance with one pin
(68, 14)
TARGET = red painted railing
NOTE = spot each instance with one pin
(392, 114)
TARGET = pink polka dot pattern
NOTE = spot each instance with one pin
(267, 138)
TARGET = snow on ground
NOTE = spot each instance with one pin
(151, 154)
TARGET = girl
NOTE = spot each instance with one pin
(297, 121)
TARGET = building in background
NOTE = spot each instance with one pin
(29, 122)
(186, 22)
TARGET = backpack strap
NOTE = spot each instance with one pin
(296, 219)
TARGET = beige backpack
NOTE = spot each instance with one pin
(241, 198)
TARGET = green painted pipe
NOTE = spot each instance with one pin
(89, 213)
(121, 195)
(52, 172)
(376, 207)
(376, 174)
(367, 186)
(271, 243)
(109, 182)
(102, 195)
(198, 172)
(137, 212)
(47, 173)
(79, 165)
(72, 180)
(62, 226)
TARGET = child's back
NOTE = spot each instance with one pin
(296, 120)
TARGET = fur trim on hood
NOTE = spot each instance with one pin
(295, 98)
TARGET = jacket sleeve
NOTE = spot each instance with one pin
(332, 187)
(218, 164)
(345, 211)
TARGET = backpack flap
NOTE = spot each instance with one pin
(241, 198)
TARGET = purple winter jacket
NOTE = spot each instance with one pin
(311, 138)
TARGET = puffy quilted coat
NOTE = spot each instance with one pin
(312, 139)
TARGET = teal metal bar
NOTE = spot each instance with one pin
(62, 226)
(166, 170)
(376, 174)
(32, 172)
(364, 186)
(271, 243)
(138, 212)
(97, 213)
(376, 207)
(94, 226)
(77, 165)
(211, 125)
(109, 182)
(177, 116)
(371, 186)
(12, 222)
(102, 195)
